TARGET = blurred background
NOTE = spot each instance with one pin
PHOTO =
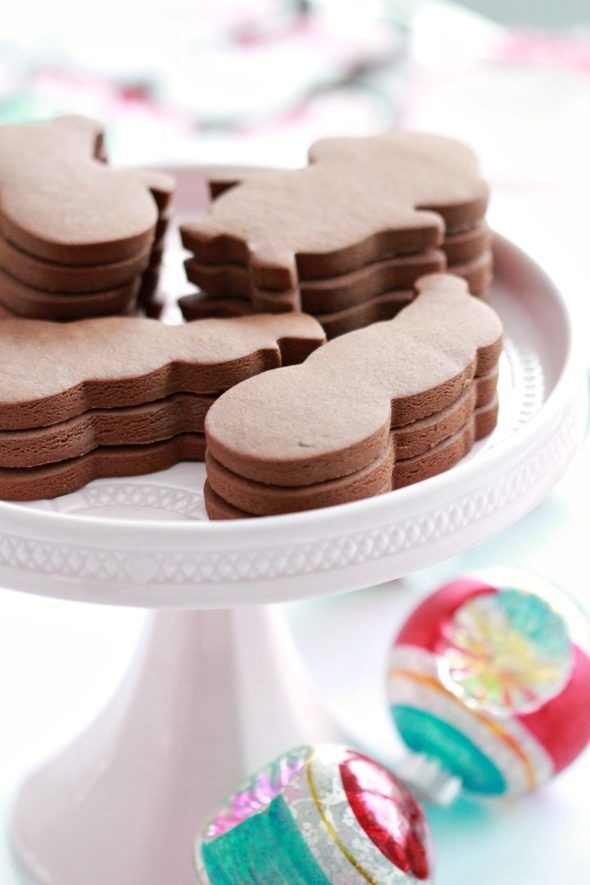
(255, 82)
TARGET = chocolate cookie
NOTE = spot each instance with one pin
(53, 480)
(47, 276)
(406, 472)
(468, 245)
(24, 301)
(144, 424)
(52, 373)
(59, 203)
(198, 306)
(332, 416)
(340, 491)
(348, 290)
(359, 200)
(432, 445)
(320, 296)
(476, 273)
(384, 306)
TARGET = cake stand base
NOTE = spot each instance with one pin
(123, 803)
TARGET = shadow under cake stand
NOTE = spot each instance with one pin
(216, 685)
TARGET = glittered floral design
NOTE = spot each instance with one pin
(259, 791)
(506, 652)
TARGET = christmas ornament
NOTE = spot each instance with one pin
(489, 679)
(317, 815)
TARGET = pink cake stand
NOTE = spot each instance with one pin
(216, 684)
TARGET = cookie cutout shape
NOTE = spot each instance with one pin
(333, 415)
(25, 301)
(52, 373)
(432, 445)
(477, 274)
(62, 278)
(198, 306)
(320, 296)
(349, 290)
(467, 245)
(342, 491)
(358, 200)
(376, 308)
(261, 499)
(143, 425)
(59, 202)
(53, 480)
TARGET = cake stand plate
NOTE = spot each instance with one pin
(210, 693)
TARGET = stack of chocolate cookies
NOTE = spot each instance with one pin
(345, 238)
(77, 238)
(118, 396)
(374, 410)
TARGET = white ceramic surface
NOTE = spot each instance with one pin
(146, 541)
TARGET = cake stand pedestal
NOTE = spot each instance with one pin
(122, 804)
(216, 686)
